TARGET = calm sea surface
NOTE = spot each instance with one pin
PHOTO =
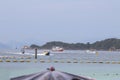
(102, 65)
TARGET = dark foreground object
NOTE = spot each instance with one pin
(51, 74)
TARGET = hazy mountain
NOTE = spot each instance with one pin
(20, 44)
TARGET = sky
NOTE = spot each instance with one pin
(72, 21)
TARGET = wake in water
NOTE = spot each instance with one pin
(29, 53)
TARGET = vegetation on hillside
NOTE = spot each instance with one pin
(106, 44)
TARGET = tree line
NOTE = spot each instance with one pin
(107, 44)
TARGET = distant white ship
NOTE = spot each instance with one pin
(91, 51)
(57, 48)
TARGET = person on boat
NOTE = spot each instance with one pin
(22, 50)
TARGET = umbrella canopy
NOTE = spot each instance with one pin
(51, 74)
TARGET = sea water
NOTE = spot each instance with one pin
(75, 62)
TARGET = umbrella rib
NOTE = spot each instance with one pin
(51, 76)
(25, 77)
(75, 77)
(37, 76)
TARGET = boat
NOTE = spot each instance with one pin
(57, 48)
(91, 51)
(47, 53)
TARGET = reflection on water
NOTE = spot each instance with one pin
(102, 66)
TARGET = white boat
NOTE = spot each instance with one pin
(57, 49)
(91, 51)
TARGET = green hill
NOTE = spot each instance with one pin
(111, 43)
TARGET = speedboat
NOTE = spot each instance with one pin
(47, 53)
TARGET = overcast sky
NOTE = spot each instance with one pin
(39, 21)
